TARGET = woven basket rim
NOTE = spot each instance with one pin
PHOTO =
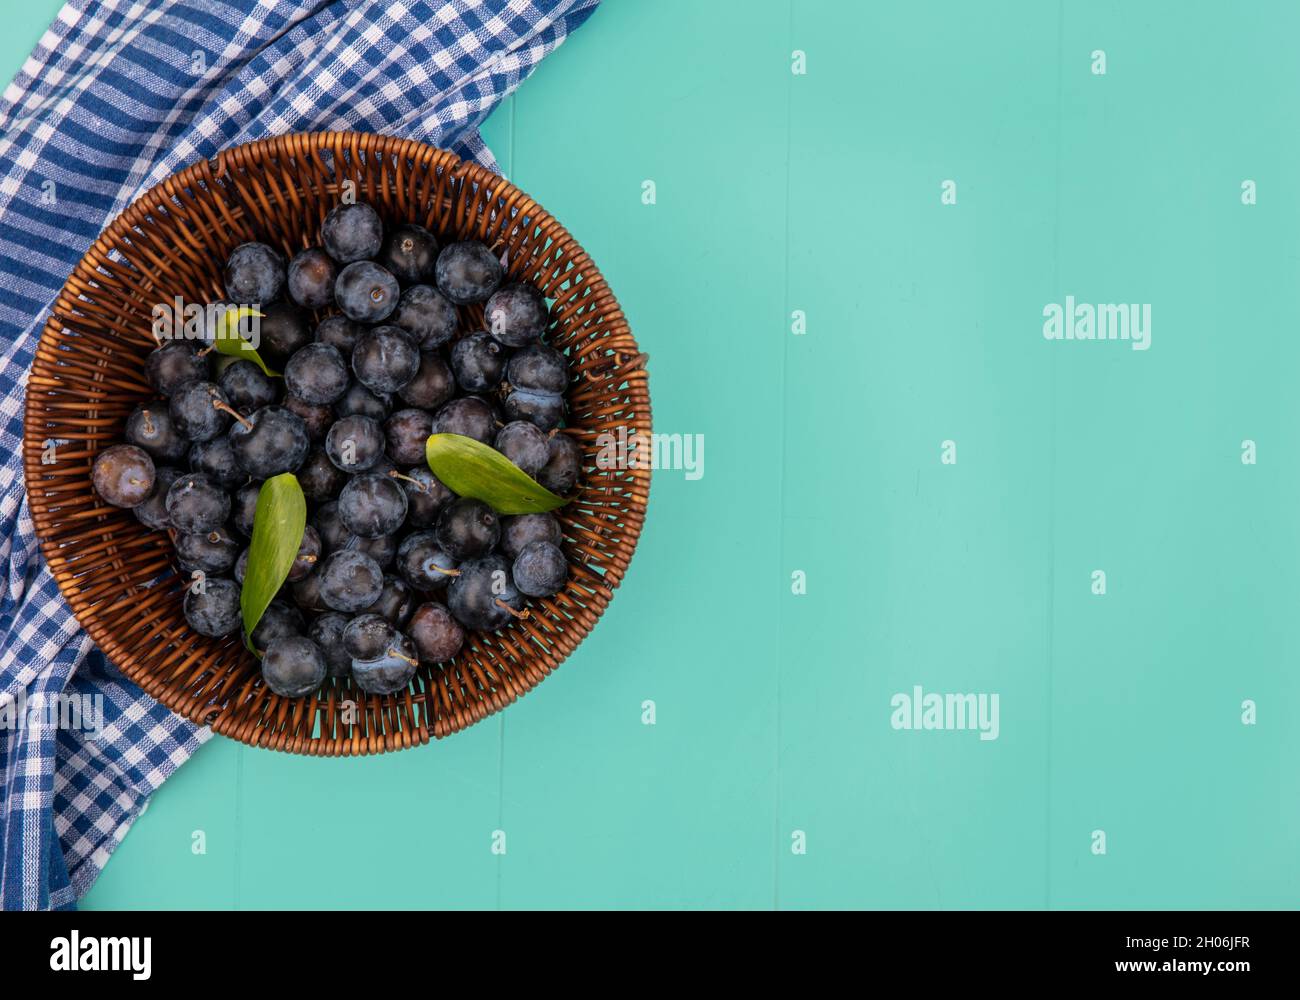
(247, 712)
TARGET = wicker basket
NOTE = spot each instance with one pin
(120, 579)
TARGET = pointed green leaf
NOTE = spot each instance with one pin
(471, 469)
(278, 525)
(227, 339)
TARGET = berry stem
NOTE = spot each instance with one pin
(225, 408)
(422, 487)
(518, 614)
(396, 654)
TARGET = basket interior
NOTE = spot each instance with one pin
(119, 578)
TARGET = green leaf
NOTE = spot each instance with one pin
(472, 469)
(278, 525)
(229, 341)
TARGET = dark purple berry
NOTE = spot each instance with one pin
(197, 505)
(246, 386)
(408, 431)
(349, 581)
(410, 252)
(384, 359)
(272, 441)
(538, 368)
(354, 444)
(371, 505)
(425, 496)
(213, 609)
(366, 292)
(150, 427)
(468, 272)
(360, 401)
(540, 569)
(352, 232)
(394, 601)
(327, 632)
(340, 333)
(293, 666)
(436, 634)
(123, 475)
(478, 362)
(281, 330)
(519, 530)
(482, 595)
(466, 528)
(317, 374)
(153, 512)
(427, 315)
(212, 552)
(308, 555)
(432, 386)
(526, 446)
(564, 467)
(468, 416)
(423, 563)
(317, 418)
(545, 409)
(199, 411)
(516, 314)
(254, 274)
(217, 459)
(311, 278)
(319, 477)
(368, 636)
(175, 363)
(243, 509)
(390, 672)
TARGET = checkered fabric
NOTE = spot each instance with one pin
(117, 96)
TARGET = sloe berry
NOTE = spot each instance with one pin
(384, 359)
(349, 581)
(526, 446)
(407, 432)
(270, 442)
(466, 528)
(123, 475)
(371, 505)
(516, 314)
(436, 634)
(410, 252)
(366, 292)
(316, 374)
(311, 278)
(427, 315)
(478, 362)
(254, 274)
(467, 272)
(293, 666)
(352, 232)
(214, 610)
(468, 416)
(196, 504)
(540, 569)
(150, 427)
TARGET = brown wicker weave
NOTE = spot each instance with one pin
(88, 376)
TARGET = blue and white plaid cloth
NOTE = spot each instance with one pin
(118, 95)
